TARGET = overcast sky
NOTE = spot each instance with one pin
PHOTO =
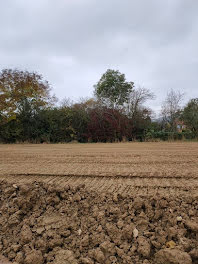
(73, 42)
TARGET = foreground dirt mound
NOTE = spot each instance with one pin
(3, 260)
(41, 223)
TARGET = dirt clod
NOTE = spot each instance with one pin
(172, 256)
(144, 247)
(65, 256)
(192, 225)
(35, 256)
(44, 224)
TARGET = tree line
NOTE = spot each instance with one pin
(117, 112)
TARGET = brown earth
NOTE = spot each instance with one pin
(120, 159)
(42, 223)
(3, 260)
(152, 168)
(138, 203)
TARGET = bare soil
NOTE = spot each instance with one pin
(152, 168)
(99, 203)
(124, 159)
(42, 223)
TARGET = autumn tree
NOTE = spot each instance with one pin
(108, 125)
(113, 89)
(20, 90)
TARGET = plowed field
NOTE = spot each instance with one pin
(140, 168)
(99, 203)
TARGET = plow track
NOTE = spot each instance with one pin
(166, 186)
(129, 168)
(64, 197)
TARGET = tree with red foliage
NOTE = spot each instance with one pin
(108, 125)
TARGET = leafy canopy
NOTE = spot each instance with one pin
(113, 89)
(19, 88)
(190, 115)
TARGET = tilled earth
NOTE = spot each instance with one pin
(99, 203)
(43, 223)
(152, 168)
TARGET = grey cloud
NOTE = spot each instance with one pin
(73, 42)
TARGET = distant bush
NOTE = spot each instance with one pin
(165, 136)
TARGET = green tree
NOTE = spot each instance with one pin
(113, 89)
(190, 115)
